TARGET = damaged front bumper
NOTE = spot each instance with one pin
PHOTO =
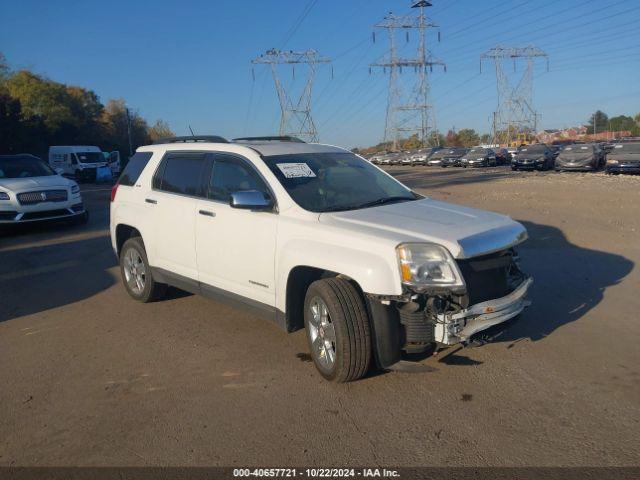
(459, 327)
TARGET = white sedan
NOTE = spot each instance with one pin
(30, 191)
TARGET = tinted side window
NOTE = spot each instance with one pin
(183, 173)
(231, 175)
(134, 168)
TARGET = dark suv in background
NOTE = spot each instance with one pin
(624, 158)
(533, 157)
(453, 157)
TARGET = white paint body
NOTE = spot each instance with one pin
(252, 253)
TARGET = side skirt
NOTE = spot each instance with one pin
(240, 302)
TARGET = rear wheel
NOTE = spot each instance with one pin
(338, 332)
(136, 273)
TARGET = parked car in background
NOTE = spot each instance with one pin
(503, 156)
(479, 157)
(624, 158)
(369, 268)
(436, 158)
(31, 191)
(80, 162)
(537, 156)
(423, 155)
(587, 156)
(453, 156)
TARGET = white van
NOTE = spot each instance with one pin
(79, 161)
(113, 158)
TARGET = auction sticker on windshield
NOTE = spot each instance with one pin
(295, 170)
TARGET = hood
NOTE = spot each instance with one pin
(465, 232)
(34, 183)
(530, 155)
(575, 157)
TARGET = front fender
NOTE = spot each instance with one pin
(373, 272)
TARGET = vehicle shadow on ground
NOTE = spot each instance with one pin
(38, 278)
(568, 282)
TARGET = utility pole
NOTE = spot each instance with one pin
(514, 114)
(129, 130)
(295, 114)
(408, 114)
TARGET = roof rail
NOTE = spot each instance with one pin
(284, 138)
(192, 139)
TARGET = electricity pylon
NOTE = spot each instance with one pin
(408, 112)
(514, 118)
(295, 115)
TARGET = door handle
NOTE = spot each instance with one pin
(206, 213)
(151, 200)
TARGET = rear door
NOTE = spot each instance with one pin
(173, 201)
(235, 248)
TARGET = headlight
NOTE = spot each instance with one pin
(612, 161)
(427, 265)
(75, 188)
(4, 196)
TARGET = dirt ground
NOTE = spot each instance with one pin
(89, 377)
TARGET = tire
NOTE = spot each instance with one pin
(515, 169)
(346, 321)
(134, 254)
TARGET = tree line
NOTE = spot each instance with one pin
(37, 112)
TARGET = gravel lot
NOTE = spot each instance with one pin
(88, 377)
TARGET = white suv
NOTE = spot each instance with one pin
(31, 191)
(313, 236)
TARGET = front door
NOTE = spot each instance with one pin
(235, 248)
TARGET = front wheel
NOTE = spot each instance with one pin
(136, 272)
(338, 332)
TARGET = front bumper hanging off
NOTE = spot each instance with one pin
(459, 327)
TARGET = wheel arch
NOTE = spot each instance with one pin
(299, 279)
(123, 233)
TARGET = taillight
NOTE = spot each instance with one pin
(114, 189)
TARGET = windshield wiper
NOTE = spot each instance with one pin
(373, 203)
(382, 201)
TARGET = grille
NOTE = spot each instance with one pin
(487, 277)
(33, 198)
(45, 214)
(10, 215)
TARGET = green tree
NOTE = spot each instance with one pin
(451, 139)
(115, 120)
(468, 137)
(621, 123)
(600, 120)
(160, 129)
(485, 139)
(5, 71)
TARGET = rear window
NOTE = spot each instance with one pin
(134, 168)
(182, 174)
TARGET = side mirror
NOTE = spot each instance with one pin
(251, 200)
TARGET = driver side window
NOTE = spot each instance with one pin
(229, 174)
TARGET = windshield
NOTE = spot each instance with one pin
(324, 182)
(477, 152)
(577, 150)
(625, 148)
(455, 152)
(90, 157)
(533, 149)
(25, 167)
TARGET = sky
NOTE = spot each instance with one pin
(189, 62)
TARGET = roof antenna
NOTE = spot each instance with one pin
(191, 130)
